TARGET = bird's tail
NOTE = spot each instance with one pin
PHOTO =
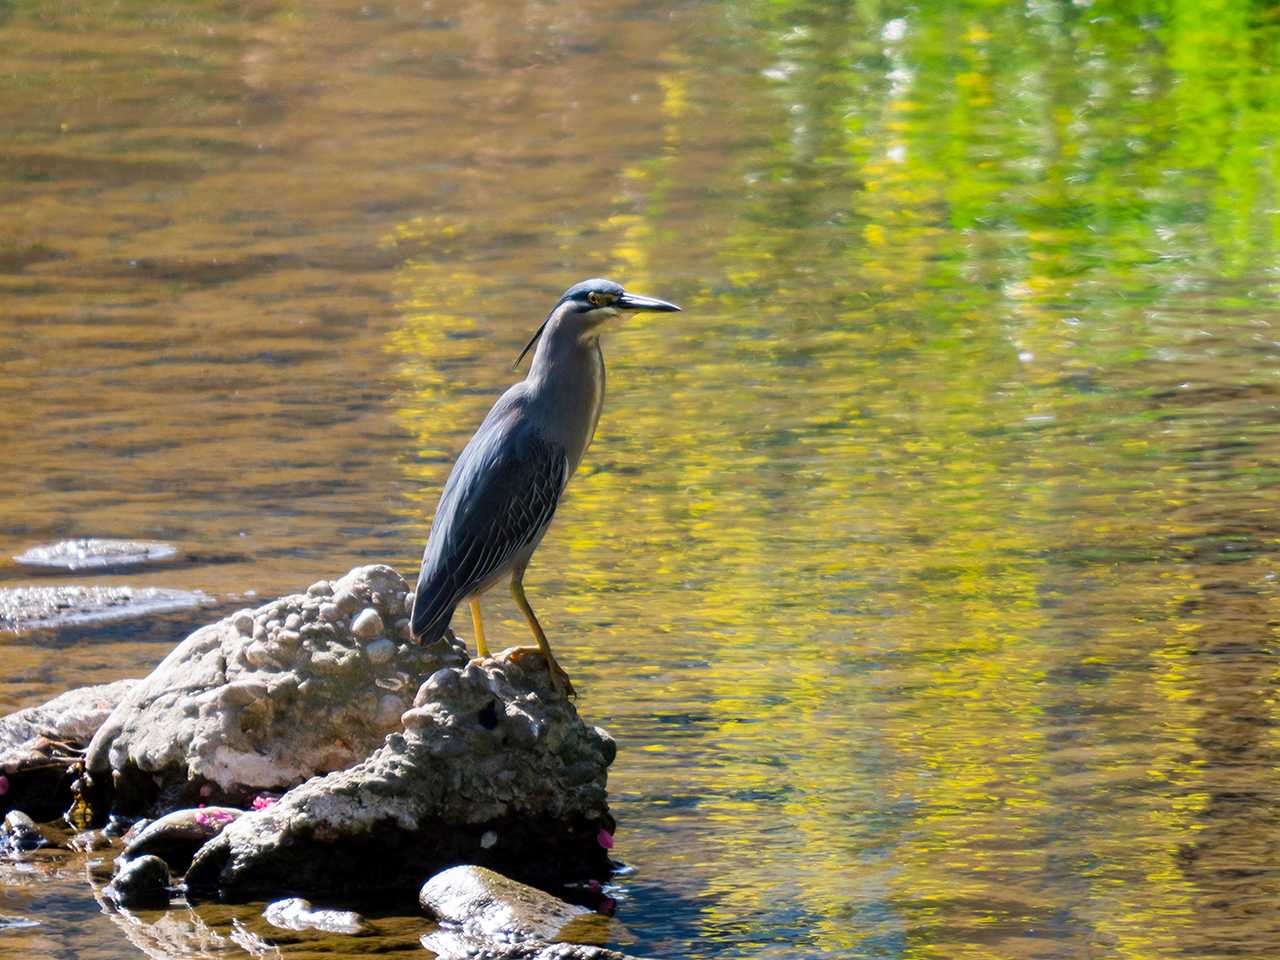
(430, 617)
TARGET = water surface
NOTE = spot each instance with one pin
(924, 567)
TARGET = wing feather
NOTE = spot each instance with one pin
(498, 501)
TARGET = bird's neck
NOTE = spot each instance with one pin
(567, 379)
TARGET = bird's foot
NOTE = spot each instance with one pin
(559, 679)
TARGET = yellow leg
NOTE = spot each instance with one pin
(559, 679)
(482, 648)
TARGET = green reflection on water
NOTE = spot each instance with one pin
(893, 560)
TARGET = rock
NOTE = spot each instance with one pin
(23, 609)
(38, 744)
(450, 945)
(380, 651)
(19, 834)
(487, 906)
(226, 716)
(175, 837)
(367, 625)
(96, 554)
(142, 882)
(298, 914)
(492, 750)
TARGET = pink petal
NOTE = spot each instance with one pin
(605, 838)
(4, 784)
(262, 801)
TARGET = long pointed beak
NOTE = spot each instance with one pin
(633, 301)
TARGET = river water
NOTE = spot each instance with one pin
(925, 567)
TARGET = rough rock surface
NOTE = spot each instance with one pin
(38, 744)
(38, 608)
(493, 767)
(486, 916)
(265, 698)
(96, 554)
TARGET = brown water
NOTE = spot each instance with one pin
(925, 568)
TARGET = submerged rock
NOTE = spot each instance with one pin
(488, 906)
(38, 744)
(96, 554)
(19, 834)
(142, 882)
(486, 916)
(263, 700)
(450, 945)
(37, 608)
(298, 914)
(176, 837)
(493, 767)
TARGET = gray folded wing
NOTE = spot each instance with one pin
(498, 501)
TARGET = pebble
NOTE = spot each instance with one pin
(292, 622)
(330, 612)
(321, 588)
(380, 651)
(243, 622)
(389, 709)
(19, 832)
(404, 630)
(367, 624)
(298, 914)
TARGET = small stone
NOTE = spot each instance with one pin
(288, 640)
(389, 709)
(367, 624)
(243, 622)
(488, 839)
(20, 833)
(298, 914)
(346, 601)
(330, 612)
(141, 882)
(404, 630)
(292, 622)
(321, 588)
(380, 652)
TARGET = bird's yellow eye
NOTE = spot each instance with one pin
(595, 299)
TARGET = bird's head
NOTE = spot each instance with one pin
(585, 306)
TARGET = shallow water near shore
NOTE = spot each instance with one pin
(924, 568)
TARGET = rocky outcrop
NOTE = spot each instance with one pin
(486, 916)
(493, 767)
(266, 698)
(38, 744)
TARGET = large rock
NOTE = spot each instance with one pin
(494, 767)
(266, 698)
(38, 744)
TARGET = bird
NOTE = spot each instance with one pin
(505, 486)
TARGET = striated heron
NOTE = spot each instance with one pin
(503, 491)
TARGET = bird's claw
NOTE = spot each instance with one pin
(560, 681)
